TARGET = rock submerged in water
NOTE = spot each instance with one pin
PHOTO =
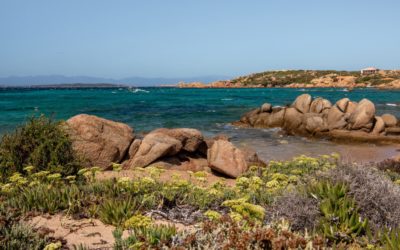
(319, 117)
(103, 142)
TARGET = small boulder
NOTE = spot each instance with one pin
(189, 137)
(342, 104)
(319, 105)
(379, 126)
(390, 120)
(266, 107)
(100, 141)
(363, 115)
(302, 103)
(225, 158)
(153, 147)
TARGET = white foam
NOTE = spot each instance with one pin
(391, 104)
(138, 90)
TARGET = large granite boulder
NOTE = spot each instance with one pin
(363, 115)
(100, 141)
(225, 158)
(292, 120)
(390, 120)
(342, 104)
(314, 123)
(154, 146)
(262, 120)
(302, 103)
(276, 118)
(319, 105)
(189, 137)
(351, 107)
(335, 119)
(251, 116)
(134, 147)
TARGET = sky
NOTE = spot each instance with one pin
(181, 38)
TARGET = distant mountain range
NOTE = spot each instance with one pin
(134, 81)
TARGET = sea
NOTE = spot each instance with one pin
(209, 110)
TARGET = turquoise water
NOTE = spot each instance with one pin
(146, 109)
(209, 110)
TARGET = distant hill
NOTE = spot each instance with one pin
(307, 79)
(134, 81)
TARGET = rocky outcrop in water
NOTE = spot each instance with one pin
(318, 117)
(103, 142)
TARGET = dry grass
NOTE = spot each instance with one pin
(299, 209)
(375, 194)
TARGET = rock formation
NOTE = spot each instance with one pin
(318, 117)
(103, 142)
(98, 140)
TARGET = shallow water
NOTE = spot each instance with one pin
(209, 110)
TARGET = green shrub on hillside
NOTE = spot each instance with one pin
(42, 143)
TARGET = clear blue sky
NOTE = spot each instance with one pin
(172, 38)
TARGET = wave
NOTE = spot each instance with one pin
(138, 90)
(226, 99)
(391, 104)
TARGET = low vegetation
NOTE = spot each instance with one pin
(42, 143)
(286, 77)
(304, 203)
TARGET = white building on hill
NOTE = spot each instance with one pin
(369, 71)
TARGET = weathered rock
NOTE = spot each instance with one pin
(276, 118)
(190, 138)
(292, 120)
(98, 140)
(193, 164)
(351, 107)
(342, 104)
(319, 105)
(363, 116)
(251, 116)
(262, 120)
(252, 158)
(266, 107)
(302, 103)
(335, 119)
(153, 147)
(225, 158)
(133, 148)
(314, 123)
(208, 142)
(390, 120)
(379, 126)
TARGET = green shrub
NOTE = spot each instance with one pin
(116, 212)
(340, 220)
(20, 236)
(46, 199)
(150, 237)
(42, 143)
